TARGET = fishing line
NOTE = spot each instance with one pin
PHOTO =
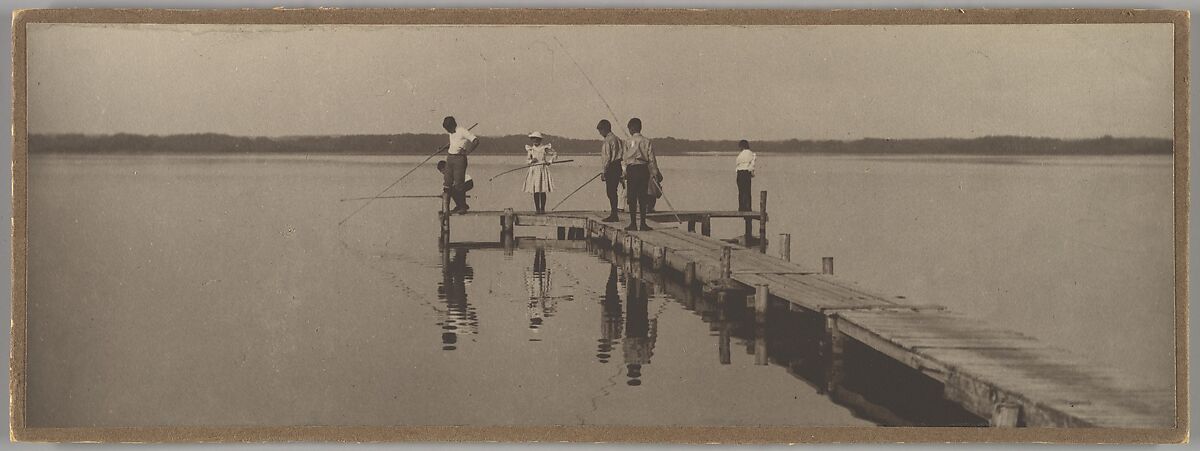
(410, 171)
(614, 116)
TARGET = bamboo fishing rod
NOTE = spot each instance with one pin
(614, 116)
(410, 171)
(408, 196)
(528, 166)
(594, 177)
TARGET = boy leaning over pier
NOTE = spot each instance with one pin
(611, 155)
(462, 143)
(639, 165)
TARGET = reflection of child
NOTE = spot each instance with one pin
(468, 183)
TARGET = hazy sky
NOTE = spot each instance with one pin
(712, 82)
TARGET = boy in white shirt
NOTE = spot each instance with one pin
(745, 172)
(462, 143)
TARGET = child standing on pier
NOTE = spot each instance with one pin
(610, 157)
(745, 172)
(538, 182)
(462, 143)
(640, 165)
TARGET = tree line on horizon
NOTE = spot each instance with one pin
(425, 144)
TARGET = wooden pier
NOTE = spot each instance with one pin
(1003, 376)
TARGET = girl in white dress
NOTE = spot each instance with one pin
(539, 182)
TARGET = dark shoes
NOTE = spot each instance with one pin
(631, 227)
(460, 209)
(612, 218)
(646, 227)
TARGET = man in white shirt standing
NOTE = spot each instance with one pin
(745, 172)
(462, 143)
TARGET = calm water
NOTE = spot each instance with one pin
(206, 290)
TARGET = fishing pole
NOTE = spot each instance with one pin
(527, 167)
(610, 112)
(410, 171)
(664, 196)
(594, 177)
(409, 196)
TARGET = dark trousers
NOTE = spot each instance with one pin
(743, 184)
(456, 173)
(637, 178)
(612, 181)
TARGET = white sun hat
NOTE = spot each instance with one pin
(537, 135)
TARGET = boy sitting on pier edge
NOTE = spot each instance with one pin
(468, 182)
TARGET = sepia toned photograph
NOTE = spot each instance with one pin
(592, 226)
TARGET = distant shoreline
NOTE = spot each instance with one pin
(424, 144)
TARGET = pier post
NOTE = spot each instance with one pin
(762, 222)
(445, 217)
(760, 345)
(587, 230)
(689, 274)
(692, 225)
(785, 246)
(836, 370)
(1006, 415)
(706, 226)
(660, 258)
(726, 264)
(723, 353)
(749, 233)
(762, 294)
(827, 265)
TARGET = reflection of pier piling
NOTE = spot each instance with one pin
(1006, 378)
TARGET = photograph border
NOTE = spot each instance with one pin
(19, 431)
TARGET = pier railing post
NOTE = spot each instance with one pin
(827, 265)
(692, 225)
(762, 222)
(785, 246)
(706, 226)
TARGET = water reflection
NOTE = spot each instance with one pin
(610, 317)
(641, 331)
(871, 385)
(538, 281)
(459, 317)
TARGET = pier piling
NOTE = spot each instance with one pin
(762, 223)
(762, 294)
(827, 265)
(726, 264)
(445, 219)
(1006, 415)
(785, 246)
